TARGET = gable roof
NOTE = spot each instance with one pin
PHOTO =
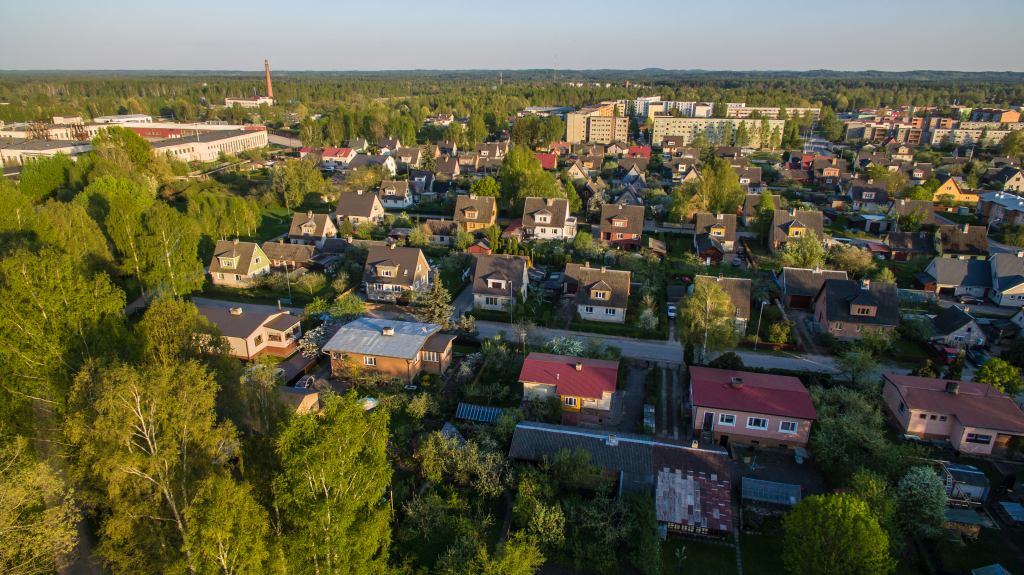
(365, 336)
(592, 380)
(963, 240)
(704, 221)
(246, 252)
(1007, 270)
(280, 251)
(912, 242)
(781, 395)
(407, 263)
(483, 205)
(321, 224)
(738, 289)
(784, 219)
(752, 201)
(634, 216)
(359, 204)
(806, 281)
(441, 227)
(505, 267)
(251, 318)
(951, 319)
(397, 188)
(974, 404)
(858, 190)
(547, 161)
(556, 208)
(840, 295)
(949, 271)
(904, 207)
(583, 279)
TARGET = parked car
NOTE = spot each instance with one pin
(672, 311)
(737, 262)
(967, 299)
(410, 387)
(977, 357)
(943, 353)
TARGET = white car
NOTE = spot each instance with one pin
(672, 311)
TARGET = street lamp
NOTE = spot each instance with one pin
(757, 332)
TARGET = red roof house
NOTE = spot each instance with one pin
(547, 161)
(583, 386)
(750, 408)
(639, 152)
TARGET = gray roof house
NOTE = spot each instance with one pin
(792, 224)
(956, 327)
(391, 271)
(602, 294)
(1007, 280)
(738, 290)
(956, 277)
(400, 349)
(310, 228)
(499, 280)
(800, 285)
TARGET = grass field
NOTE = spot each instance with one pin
(700, 557)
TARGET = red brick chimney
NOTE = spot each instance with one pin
(270, 87)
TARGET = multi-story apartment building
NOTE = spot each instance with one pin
(741, 110)
(719, 130)
(960, 136)
(995, 115)
(599, 123)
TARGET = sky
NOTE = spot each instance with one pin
(890, 35)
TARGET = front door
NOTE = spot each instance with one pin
(709, 421)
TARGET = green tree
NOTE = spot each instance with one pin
(859, 366)
(834, 535)
(68, 227)
(885, 276)
(583, 242)
(522, 176)
(1013, 144)
(852, 259)
(293, 180)
(718, 190)
(742, 135)
(874, 490)
(1001, 375)
(170, 250)
(44, 177)
(343, 525)
(706, 318)
(485, 186)
(143, 439)
(229, 531)
(37, 513)
(119, 204)
(347, 307)
(434, 305)
(765, 216)
(921, 502)
(829, 125)
(476, 131)
(803, 252)
(120, 151)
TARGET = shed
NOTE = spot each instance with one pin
(770, 492)
(1013, 511)
(965, 482)
(478, 413)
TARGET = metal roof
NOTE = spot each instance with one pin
(366, 336)
(479, 413)
(770, 491)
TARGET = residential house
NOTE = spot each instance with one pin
(387, 163)
(750, 177)
(493, 150)
(358, 144)
(547, 161)
(359, 207)
(750, 203)
(447, 167)
(906, 245)
(442, 232)
(399, 349)
(481, 246)
(391, 271)
(692, 487)
(1001, 208)
(289, 256)
(630, 196)
(583, 386)
(962, 242)
(474, 213)
(601, 294)
(252, 331)
(672, 144)
(975, 418)
(311, 229)
(847, 309)
(919, 210)
(738, 290)
(801, 285)
(743, 407)
(1007, 279)
(954, 190)
(446, 148)
(395, 194)
(639, 152)
(499, 280)
(956, 327)
(1011, 179)
(548, 219)
(409, 157)
(621, 226)
(714, 236)
(616, 149)
(956, 277)
(791, 224)
(422, 184)
(388, 145)
(333, 158)
(577, 172)
(870, 196)
(237, 264)
(684, 170)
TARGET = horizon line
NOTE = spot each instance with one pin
(565, 70)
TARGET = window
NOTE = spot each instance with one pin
(570, 401)
(618, 236)
(923, 416)
(496, 284)
(491, 301)
(619, 223)
(978, 438)
(942, 418)
(788, 427)
(220, 276)
(839, 326)
(589, 309)
(610, 311)
(903, 407)
(933, 417)
(599, 294)
(757, 423)
(369, 360)
(274, 337)
(726, 419)
(258, 340)
(238, 278)
(432, 356)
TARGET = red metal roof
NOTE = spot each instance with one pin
(547, 161)
(760, 392)
(596, 377)
(336, 152)
(639, 152)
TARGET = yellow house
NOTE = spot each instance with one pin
(475, 213)
(952, 189)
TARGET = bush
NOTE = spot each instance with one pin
(728, 360)
(779, 333)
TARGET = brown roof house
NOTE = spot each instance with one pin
(906, 245)
(621, 225)
(962, 242)
(792, 224)
(311, 229)
(974, 418)
(750, 204)
(399, 349)
(714, 235)
(395, 194)
(548, 219)
(289, 256)
(474, 212)
(252, 331)
(359, 207)
(738, 290)
(391, 271)
(847, 309)
(237, 264)
(442, 232)
(801, 285)
(499, 280)
(918, 209)
(601, 294)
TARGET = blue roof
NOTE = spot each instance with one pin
(480, 413)
(770, 491)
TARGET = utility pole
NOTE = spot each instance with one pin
(707, 319)
(757, 332)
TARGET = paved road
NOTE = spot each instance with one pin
(646, 349)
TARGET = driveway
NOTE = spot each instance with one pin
(464, 301)
(631, 399)
(664, 351)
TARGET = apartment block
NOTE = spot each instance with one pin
(598, 124)
(772, 113)
(720, 130)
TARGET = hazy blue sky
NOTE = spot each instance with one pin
(448, 34)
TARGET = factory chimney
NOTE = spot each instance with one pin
(270, 87)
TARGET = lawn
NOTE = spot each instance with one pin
(701, 557)
(907, 352)
(989, 548)
(275, 222)
(261, 295)
(762, 553)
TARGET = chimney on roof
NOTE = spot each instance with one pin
(235, 241)
(270, 87)
(865, 283)
(579, 366)
(966, 227)
(309, 214)
(472, 196)
(360, 192)
(235, 311)
(550, 201)
(387, 330)
(736, 382)
(620, 207)
(391, 246)
(611, 441)
(953, 387)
